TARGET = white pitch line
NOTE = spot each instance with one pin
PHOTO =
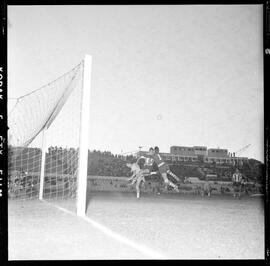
(141, 248)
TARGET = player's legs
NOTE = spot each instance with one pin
(139, 180)
(133, 181)
(239, 191)
(138, 189)
(168, 182)
(163, 171)
(173, 175)
(234, 190)
(202, 192)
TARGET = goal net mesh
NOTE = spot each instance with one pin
(53, 113)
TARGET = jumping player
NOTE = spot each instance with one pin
(163, 167)
(138, 173)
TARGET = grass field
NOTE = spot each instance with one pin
(119, 226)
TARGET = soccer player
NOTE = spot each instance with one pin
(138, 174)
(206, 189)
(163, 167)
(237, 180)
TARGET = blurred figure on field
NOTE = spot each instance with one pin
(206, 189)
(237, 181)
(244, 185)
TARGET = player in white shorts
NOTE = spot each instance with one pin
(237, 180)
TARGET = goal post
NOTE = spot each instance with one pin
(84, 137)
(43, 158)
(48, 140)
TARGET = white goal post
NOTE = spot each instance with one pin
(84, 137)
(48, 139)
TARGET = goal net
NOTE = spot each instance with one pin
(47, 138)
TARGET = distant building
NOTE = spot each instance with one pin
(199, 154)
(188, 151)
(219, 153)
(200, 150)
(182, 150)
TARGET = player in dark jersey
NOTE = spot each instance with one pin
(163, 167)
(168, 168)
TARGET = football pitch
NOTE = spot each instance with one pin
(119, 226)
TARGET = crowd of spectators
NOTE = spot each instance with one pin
(104, 163)
(108, 164)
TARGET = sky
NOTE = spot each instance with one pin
(186, 75)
